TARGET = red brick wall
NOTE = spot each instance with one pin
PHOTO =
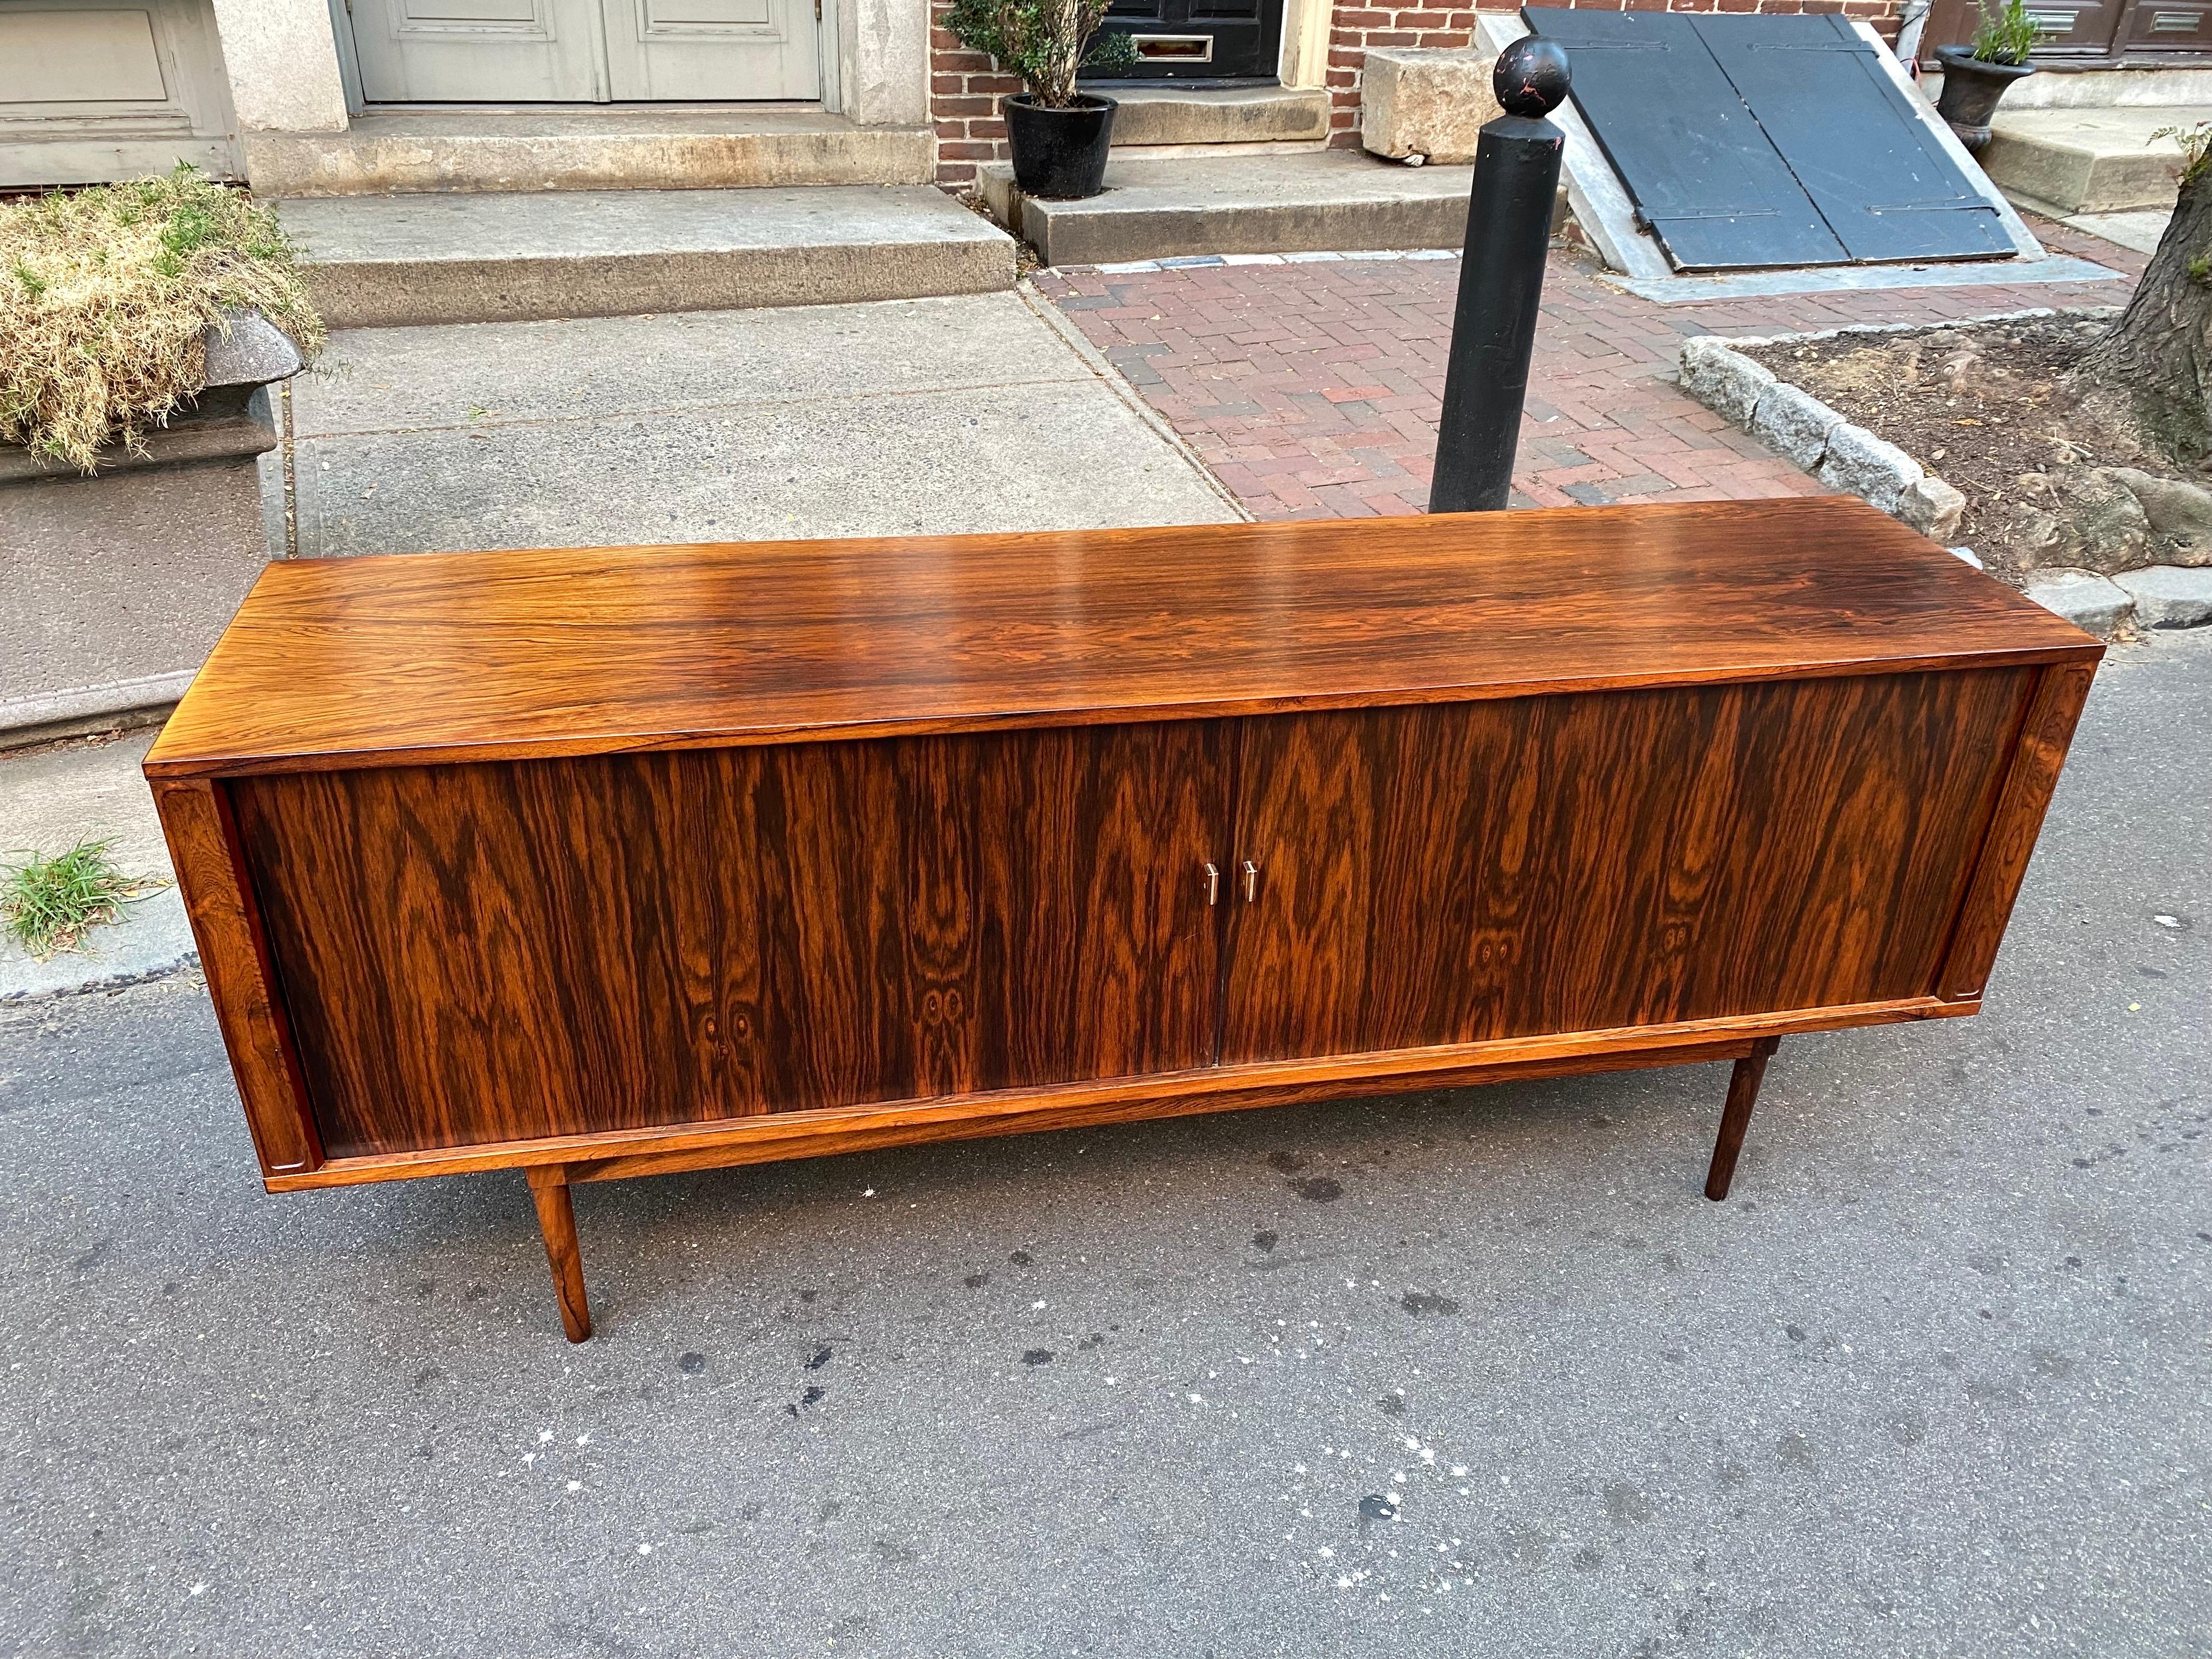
(965, 89)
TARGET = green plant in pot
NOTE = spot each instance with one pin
(1976, 75)
(1059, 136)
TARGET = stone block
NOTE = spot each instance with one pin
(1426, 101)
(1723, 379)
(2085, 599)
(1931, 506)
(1862, 464)
(2169, 596)
(1794, 423)
(252, 351)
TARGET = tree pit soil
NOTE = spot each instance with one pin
(1989, 408)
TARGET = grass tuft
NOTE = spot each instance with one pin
(106, 298)
(49, 903)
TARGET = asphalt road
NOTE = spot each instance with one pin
(1460, 1374)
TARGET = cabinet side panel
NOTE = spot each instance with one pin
(234, 957)
(1483, 870)
(484, 953)
(2053, 710)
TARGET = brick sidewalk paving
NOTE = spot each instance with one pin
(1312, 389)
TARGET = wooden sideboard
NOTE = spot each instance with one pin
(611, 862)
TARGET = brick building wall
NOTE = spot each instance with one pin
(965, 87)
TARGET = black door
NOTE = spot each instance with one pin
(1198, 39)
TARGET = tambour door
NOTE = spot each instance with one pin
(1460, 872)
(477, 953)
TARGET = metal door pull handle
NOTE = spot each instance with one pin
(1213, 884)
(1251, 882)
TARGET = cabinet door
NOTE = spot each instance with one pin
(1457, 873)
(480, 953)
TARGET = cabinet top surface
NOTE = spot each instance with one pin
(416, 657)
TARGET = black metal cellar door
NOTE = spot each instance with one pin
(1750, 142)
(1708, 182)
(1850, 135)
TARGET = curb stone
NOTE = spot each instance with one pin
(2169, 595)
(153, 940)
(2095, 604)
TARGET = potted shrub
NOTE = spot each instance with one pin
(1976, 75)
(137, 322)
(1059, 136)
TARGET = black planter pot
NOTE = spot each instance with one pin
(1971, 90)
(1059, 153)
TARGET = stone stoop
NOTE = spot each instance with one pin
(2064, 161)
(1177, 121)
(1330, 201)
(723, 147)
(386, 261)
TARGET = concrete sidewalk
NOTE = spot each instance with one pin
(981, 413)
(1444, 1376)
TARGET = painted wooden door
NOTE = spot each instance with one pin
(1465, 872)
(585, 51)
(510, 951)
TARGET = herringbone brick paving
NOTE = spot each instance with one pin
(1312, 389)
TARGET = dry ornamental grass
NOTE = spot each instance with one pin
(106, 296)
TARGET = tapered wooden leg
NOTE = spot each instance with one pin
(556, 1220)
(1736, 1117)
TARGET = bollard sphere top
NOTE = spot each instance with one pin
(1531, 78)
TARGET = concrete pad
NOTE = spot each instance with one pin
(1861, 279)
(929, 415)
(1227, 115)
(1325, 202)
(2141, 229)
(723, 146)
(51, 800)
(2087, 160)
(398, 260)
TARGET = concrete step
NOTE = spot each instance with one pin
(385, 261)
(1331, 201)
(1152, 117)
(676, 148)
(2086, 161)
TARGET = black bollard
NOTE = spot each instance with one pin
(1501, 279)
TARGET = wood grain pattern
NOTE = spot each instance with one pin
(196, 823)
(2047, 730)
(401, 660)
(1490, 869)
(513, 951)
(780, 1135)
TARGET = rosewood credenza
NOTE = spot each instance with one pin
(610, 862)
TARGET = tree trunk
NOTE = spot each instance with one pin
(2159, 353)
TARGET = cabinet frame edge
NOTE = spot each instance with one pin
(776, 1136)
(2046, 730)
(202, 833)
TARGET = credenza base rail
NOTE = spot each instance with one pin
(551, 1167)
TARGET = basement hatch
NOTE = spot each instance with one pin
(1751, 141)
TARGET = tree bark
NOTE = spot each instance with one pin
(2159, 353)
